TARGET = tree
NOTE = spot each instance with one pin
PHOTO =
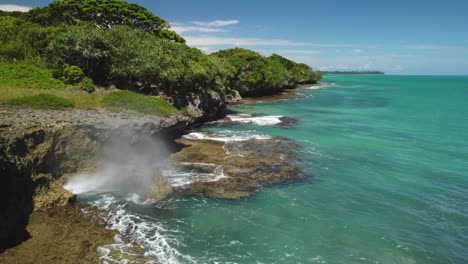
(84, 47)
(20, 39)
(11, 13)
(102, 14)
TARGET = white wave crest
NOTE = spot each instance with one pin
(319, 86)
(155, 238)
(258, 120)
(219, 137)
(180, 177)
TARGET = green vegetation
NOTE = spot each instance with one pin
(126, 101)
(102, 14)
(42, 101)
(73, 75)
(11, 13)
(81, 100)
(254, 74)
(27, 75)
(71, 46)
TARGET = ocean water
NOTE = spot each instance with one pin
(387, 165)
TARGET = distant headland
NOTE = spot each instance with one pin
(354, 72)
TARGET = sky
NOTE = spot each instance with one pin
(394, 36)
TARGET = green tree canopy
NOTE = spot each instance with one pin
(11, 13)
(103, 14)
(20, 39)
(84, 47)
(254, 74)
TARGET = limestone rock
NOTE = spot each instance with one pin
(159, 188)
(246, 165)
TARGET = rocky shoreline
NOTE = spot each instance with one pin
(40, 149)
(244, 166)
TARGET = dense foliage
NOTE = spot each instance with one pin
(80, 43)
(253, 74)
(27, 75)
(102, 14)
(11, 13)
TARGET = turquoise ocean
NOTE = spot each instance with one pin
(387, 165)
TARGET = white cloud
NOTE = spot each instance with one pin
(207, 50)
(358, 51)
(206, 40)
(15, 8)
(181, 29)
(301, 51)
(212, 41)
(392, 63)
(213, 26)
(217, 23)
(290, 51)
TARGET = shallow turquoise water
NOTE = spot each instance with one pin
(387, 159)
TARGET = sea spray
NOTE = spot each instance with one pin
(130, 166)
(129, 174)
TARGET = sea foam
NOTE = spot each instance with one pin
(258, 120)
(223, 138)
(152, 235)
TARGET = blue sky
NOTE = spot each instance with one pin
(398, 37)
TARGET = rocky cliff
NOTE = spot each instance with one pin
(40, 148)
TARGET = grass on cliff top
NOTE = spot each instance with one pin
(81, 100)
(126, 101)
(120, 101)
(42, 101)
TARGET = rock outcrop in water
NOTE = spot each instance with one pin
(159, 188)
(245, 165)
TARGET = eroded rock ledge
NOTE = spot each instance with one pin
(245, 165)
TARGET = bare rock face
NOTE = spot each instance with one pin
(206, 105)
(33, 163)
(245, 165)
(159, 188)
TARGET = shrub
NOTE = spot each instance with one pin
(72, 75)
(27, 75)
(87, 85)
(127, 101)
(42, 101)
